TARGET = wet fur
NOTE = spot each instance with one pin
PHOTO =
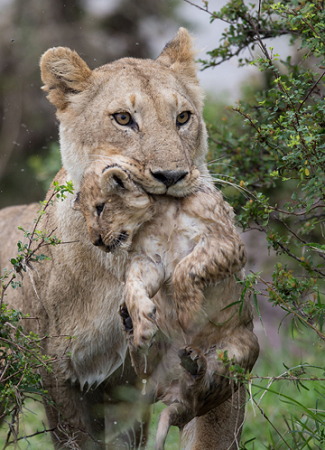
(179, 279)
(78, 292)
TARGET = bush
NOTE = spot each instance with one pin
(20, 352)
(272, 149)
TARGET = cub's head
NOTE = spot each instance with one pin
(113, 205)
(148, 110)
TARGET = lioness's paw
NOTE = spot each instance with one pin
(193, 360)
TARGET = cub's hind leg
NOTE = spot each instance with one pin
(211, 261)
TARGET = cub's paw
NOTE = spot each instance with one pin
(193, 360)
(127, 323)
(145, 327)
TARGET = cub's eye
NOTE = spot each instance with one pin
(183, 117)
(99, 208)
(123, 118)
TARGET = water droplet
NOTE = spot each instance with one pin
(115, 423)
(143, 392)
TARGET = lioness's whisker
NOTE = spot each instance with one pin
(216, 160)
(236, 186)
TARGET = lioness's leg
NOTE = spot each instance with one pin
(76, 416)
(111, 414)
(127, 425)
(219, 429)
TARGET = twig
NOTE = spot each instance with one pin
(288, 252)
(321, 255)
(259, 9)
(311, 90)
(268, 284)
(287, 378)
(32, 435)
(293, 435)
(20, 347)
(265, 417)
(207, 11)
(303, 213)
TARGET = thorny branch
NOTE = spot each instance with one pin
(269, 285)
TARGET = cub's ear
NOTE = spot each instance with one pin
(115, 179)
(179, 55)
(63, 72)
(75, 204)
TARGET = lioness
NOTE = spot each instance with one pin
(183, 253)
(151, 111)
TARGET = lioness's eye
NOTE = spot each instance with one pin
(123, 118)
(99, 208)
(183, 117)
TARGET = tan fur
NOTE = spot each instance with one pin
(78, 292)
(193, 243)
(153, 92)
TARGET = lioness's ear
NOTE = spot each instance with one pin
(179, 54)
(114, 179)
(63, 72)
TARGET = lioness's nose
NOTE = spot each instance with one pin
(169, 177)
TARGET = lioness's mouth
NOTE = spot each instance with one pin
(116, 242)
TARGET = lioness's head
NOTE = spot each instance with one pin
(113, 204)
(149, 110)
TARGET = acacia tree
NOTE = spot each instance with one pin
(273, 148)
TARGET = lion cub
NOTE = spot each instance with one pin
(182, 257)
(190, 242)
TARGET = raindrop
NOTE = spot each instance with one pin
(145, 363)
(143, 392)
(115, 423)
